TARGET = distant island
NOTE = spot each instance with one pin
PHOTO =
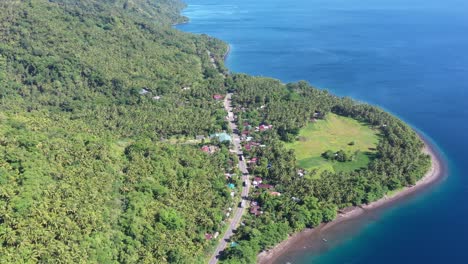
(124, 140)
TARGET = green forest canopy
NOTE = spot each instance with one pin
(89, 92)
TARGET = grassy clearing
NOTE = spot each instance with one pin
(335, 133)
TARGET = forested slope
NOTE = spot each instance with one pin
(93, 94)
(84, 176)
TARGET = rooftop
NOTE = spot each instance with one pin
(222, 137)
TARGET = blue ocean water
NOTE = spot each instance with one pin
(407, 56)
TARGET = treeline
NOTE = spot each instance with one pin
(310, 199)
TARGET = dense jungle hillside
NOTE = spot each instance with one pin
(84, 176)
(104, 111)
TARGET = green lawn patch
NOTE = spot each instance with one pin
(335, 133)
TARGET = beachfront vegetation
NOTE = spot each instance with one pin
(100, 103)
(336, 128)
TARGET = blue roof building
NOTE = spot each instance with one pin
(222, 137)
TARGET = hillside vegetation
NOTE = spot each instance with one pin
(84, 177)
(100, 105)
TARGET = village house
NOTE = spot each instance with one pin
(218, 97)
(143, 91)
(295, 199)
(205, 149)
(208, 236)
(255, 209)
(209, 149)
(301, 173)
(257, 181)
(249, 145)
(265, 186)
(222, 137)
(253, 160)
(263, 127)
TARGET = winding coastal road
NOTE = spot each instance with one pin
(239, 211)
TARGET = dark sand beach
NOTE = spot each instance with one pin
(316, 239)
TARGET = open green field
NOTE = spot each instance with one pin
(335, 133)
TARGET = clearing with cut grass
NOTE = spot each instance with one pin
(335, 133)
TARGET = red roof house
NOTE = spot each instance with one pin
(265, 186)
(255, 210)
(264, 127)
(218, 97)
(209, 149)
(205, 149)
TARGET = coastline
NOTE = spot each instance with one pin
(228, 51)
(435, 173)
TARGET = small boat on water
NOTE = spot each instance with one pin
(324, 240)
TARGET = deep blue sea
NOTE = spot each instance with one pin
(409, 57)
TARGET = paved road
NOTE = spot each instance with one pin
(245, 178)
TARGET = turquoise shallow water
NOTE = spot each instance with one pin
(410, 57)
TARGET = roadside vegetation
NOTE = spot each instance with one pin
(91, 95)
(357, 153)
(105, 155)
